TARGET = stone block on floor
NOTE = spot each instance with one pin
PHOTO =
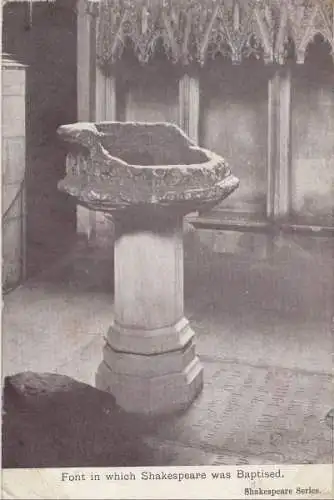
(52, 420)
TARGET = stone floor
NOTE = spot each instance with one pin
(263, 334)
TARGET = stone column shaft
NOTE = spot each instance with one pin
(149, 362)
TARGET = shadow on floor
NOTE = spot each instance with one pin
(52, 420)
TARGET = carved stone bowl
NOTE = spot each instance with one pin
(122, 166)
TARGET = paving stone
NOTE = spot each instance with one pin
(263, 412)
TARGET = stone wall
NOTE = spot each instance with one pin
(234, 123)
(48, 48)
(313, 143)
(13, 172)
(150, 93)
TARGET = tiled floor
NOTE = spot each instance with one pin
(263, 334)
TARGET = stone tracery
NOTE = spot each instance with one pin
(195, 30)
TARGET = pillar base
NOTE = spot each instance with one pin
(149, 361)
(150, 341)
(151, 383)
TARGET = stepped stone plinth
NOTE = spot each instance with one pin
(147, 177)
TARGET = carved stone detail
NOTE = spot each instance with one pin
(194, 30)
(233, 33)
(111, 32)
(114, 166)
(143, 29)
(306, 19)
(300, 21)
(177, 23)
(92, 7)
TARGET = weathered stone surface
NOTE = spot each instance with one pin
(148, 176)
(52, 420)
(114, 166)
(154, 394)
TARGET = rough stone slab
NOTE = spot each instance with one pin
(55, 421)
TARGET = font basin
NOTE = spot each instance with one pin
(123, 166)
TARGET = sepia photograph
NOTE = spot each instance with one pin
(167, 241)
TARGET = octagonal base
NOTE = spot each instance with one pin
(149, 389)
(150, 341)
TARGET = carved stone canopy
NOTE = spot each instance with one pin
(195, 30)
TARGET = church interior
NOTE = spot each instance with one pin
(250, 81)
